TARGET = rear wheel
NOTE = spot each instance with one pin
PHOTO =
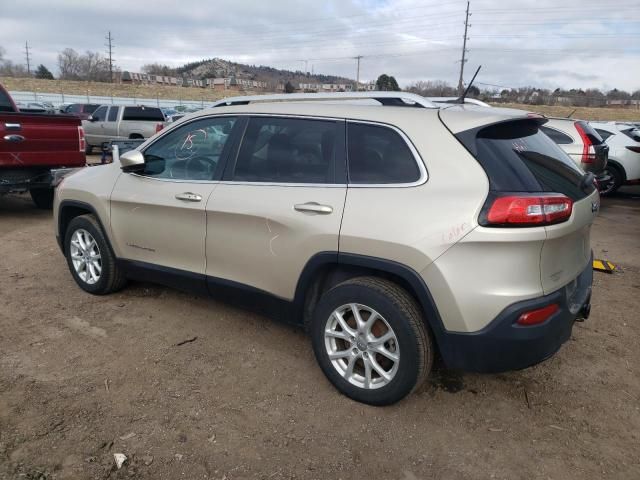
(614, 183)
(90, 260)
(371, 341)
(42, 197)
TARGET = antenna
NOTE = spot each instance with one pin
(571, 114)
(464, 94)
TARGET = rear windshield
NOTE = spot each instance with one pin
(518, 157)
(143, 114)
(632, 133)
(5, 103)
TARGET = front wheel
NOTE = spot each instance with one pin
(370, 340)
(91, 262)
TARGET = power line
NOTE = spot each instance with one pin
(27, 56)
(464, 51)
(109, 46)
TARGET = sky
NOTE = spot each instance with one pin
(542, 43)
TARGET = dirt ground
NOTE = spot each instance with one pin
(84, 377)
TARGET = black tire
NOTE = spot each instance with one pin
(88, 149)
(111, 277)
(401, 313)
(42, 197)
(617, 179)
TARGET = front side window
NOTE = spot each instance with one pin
(287, 150)
(113, 114)
(379, 155)
(100, 114)
(190, 152)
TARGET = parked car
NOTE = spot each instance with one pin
(624, 154)
(82, 110)
(464, 231)
(582, 143)
(31, 107)
(33, 146)
(119, 122)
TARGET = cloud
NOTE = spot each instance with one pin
(523, 42)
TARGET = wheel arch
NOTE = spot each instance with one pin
(614, 163)
(327, 269)
(70, 209)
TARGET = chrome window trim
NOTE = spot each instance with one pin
(424, 175)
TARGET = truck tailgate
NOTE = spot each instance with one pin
(39, 140)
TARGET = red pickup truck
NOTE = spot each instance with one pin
(32, 145)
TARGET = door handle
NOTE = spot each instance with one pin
(189, 197)
(313, 207)
(14, 138)
(12, 126)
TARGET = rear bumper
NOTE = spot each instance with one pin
(504, 345)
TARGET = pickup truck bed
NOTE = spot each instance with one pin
(33, 144)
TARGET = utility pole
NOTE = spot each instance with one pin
(463, 60)
(109, 46)
(358, 72)
(27, 56)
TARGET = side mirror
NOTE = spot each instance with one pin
(132, 161)
(91, 118)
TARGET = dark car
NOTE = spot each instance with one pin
(82, 110)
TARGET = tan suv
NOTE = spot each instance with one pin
(391, 232)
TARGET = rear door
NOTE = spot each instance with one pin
(280, 203)
(111, 123)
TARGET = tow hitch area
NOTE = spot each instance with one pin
(603, 266)
(585, 311)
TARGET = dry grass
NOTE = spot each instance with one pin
(106, 89)
(200, 94)
(582, 113)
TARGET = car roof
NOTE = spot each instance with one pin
(459, 117)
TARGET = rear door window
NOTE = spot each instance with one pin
(379, 155)
(287, 150)
(518, 157)
(604, 134)
(150, 114)
(113, 114)
(88, 108)
(557, 136)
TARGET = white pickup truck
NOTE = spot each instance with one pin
(119, 122)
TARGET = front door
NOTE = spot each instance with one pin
(279, 204)
(158, 216)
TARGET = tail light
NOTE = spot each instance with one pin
(159, 126)
(588, 150)
(634, 149)
(536, 317)
(82, 142)
(526, 210)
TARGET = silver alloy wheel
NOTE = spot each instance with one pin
(85, 256)
(362, 346)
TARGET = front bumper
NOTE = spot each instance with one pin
(504, 345)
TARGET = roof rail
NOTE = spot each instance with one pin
(384, 98)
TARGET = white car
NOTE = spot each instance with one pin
(624, 154)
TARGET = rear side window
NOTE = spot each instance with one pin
(604, 134)
(5, 103)
(632, 133)
(113, 114)
(100, 114)
(75, 108)
(518, 157)
(379, 155)
(287, 150)
(557, 136)
(149, 114)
